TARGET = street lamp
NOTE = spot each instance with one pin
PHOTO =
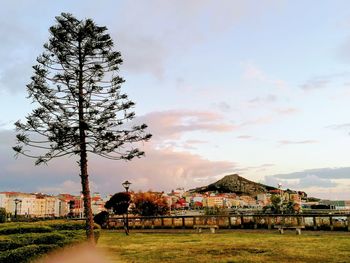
(126, 185)
(17, 201)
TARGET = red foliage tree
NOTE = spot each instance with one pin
(149, 204)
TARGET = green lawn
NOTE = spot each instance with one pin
(226, 246)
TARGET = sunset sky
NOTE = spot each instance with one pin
(259, 88)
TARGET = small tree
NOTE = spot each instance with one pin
(149, 204)
(80, 107)
(3, 215)
(102, 218)
(120, 203)
(276, 204)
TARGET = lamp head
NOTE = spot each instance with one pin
(126, 185)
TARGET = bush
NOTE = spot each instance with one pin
(26, 242)
(69, 225)
(22, 229)
(39, 238)
(2, 215)
(119, 202)
(8, 244)
(25, 254)
(102, 219)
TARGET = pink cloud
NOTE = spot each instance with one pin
(251, 72)
(173, 123)
(161, 169)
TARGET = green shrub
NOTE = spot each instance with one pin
(22, 229)
(3, 215)
(102, 219)
(25, 254)
(69, 225)
(8, 244)
(25, 242)
(39, 238)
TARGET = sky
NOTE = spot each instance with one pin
(259, 88)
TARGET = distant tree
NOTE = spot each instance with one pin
(149, 204)
(3, 215)
(276, 204)
(80, 108)
(215, 210)
(119, 203)
(102, 218)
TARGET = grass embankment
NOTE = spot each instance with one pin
(25, 242)
(226, 246)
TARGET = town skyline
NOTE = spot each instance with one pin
(235, 87)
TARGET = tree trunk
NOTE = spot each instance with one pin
(87, 198)
(83, 155)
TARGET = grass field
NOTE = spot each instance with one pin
(226, 246)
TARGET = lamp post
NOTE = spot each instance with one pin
(17, 201)
(126, 185)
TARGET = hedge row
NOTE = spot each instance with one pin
(26, 254)
(42, 227)
(27, 241)
(24, 229)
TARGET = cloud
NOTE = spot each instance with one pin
(332, 173)
(254, 169)
(330, 183)
(68, 186)
(173, 123)
(138, 51)
(161, 169)
(173, 28)
(287, 111)
(252, 72)
(287, 142)
(258, 121)
(324, 81)
(164, 166)
(342, 126)
(150, 34)
(191, 144)
(315, 83)
(222, 106)
(244, 137)
(303, 183)
(263, 100)
(18, 47)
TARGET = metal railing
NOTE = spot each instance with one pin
(252, 221)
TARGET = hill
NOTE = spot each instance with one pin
(234, 184)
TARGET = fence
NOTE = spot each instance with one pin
(252, 221)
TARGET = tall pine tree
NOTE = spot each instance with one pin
(80, 109)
